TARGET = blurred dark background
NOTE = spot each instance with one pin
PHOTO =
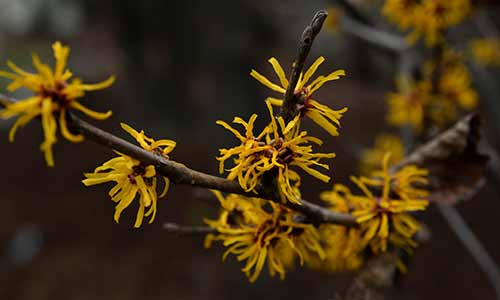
(182, 65)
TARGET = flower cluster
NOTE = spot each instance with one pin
(426, 19)
(486, 51)
(54, 96)
(260, 234)
(133, 177)
(383, 210)
(434, 100)
(322, 115)
(384, 142)
(277, 148)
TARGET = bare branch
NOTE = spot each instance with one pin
(353, 11)
(380, 39)
(289, 108)
(181, 230)
(473, 245)
(374, 279)
(180, 174)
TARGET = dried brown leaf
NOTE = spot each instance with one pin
(456, 168)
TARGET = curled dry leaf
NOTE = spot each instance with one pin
(456, 168)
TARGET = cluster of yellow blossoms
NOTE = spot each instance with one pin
(133, 177)
(486, 51)
(322, 115)
(421, 105)
(54, 95)
(426, 19)
(277, 148)
(383, 210)
(281, 145)
(261, 233)
(370, 158)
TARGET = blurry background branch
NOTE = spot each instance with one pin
(473, 245)
(181, 230)
(353, 11)
(375, 279)
(377, 38)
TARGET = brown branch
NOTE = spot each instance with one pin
(181, 230)
(180, 174)
(289, 108)
(374, 279)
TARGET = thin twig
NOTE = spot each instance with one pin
(181, 230)
(379, 39)
(180, 174)
(289, 108)
(354, 12)
(473, 245)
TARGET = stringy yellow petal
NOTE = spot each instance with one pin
(279, 71)
(65, 131)
(91, 113)
(266, 82)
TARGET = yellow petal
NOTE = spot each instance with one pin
(125, 202)
(93, 114)
(49, 126)
(266, 82)
(274, 101)
(234, 131)
(43, 69)
(312, 69)
(316, 84)
(165, 188)
(61, 54)
(65, 131)
(279, 71)
(140, 215)
(319, 119)
(99, 86)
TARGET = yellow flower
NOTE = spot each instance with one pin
(408, 106)
(321, 114)
(257, 155)
(454, 89)
(384, 218)
(433, 17)
(427, 19)
(343, 246)
(421, 106)
(260, 235)
(382, 211)
(486, 51)
(400, 12)
(133, 177)
(54, 94)
(384, 142)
